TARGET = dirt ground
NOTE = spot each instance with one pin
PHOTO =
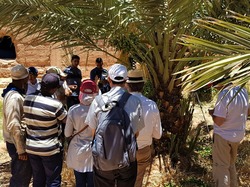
(160, 173)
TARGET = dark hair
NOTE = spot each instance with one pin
(119, 83)
(99, 60)
(33, 70)
(136, 87)
(75, 57)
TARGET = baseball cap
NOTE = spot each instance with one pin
(19, 72)
(51, 80)
(57, 71)
(88, 87)
(33, 70)
(118, 73)
(135, 76)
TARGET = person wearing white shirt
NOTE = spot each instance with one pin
(124, 176)
(33, 83)
(79, 155)
(229, 116)
(152, 122)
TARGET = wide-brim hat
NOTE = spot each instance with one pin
(19, 72)
(57, 71)
(135, 76)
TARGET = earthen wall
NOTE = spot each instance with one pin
(30, 53)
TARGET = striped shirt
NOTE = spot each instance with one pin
(41, 115)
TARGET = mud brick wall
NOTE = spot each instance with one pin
(30, 53)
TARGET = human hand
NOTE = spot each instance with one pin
(73, 87)
(96, 79)
(68, 92)
(23, 156)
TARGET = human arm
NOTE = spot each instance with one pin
(91, 118)
(216, 119)
(67, 90)
(92, 75)
(69, 127)
(61, 114)
(13, 113)
(157, 130)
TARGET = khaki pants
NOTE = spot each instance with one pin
(224, 158)
(144, 159)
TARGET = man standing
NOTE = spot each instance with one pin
(96, 73)
(99, 75)
(74, 78)
(42, 115)
(229, 116)
(33, 83)
(13, 133)
(152, 122)
(125, 176)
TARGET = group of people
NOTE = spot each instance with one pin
(38, 114)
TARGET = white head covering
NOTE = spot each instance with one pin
(118, 73)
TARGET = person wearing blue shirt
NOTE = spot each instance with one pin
(99, 76)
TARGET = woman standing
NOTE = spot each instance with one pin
(79, 155)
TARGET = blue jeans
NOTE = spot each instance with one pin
(84, 179)
(46, 170)
(20, 169)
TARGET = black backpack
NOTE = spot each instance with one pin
(114, 145)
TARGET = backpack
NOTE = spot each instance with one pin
(114, 145)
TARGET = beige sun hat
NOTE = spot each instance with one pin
(57, 71)
(19, 72)
(135, 76)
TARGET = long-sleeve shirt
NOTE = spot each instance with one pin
(12, 116)
(152, 121)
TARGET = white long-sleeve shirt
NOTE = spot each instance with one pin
(152, 121)
(79, 156)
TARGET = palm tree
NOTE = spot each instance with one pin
(228, 59)
(145, 31)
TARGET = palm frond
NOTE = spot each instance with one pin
(229, 58)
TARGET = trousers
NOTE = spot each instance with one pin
(21, 171)
(144, 158)
(46, 170)
(224, 157)
(124, 177)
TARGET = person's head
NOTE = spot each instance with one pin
(20, 76)
(50, 83)
(99, 63)
(33, 73)
(88, 91)
(135, 80)
(221, 83)
(117, 75)
(57, 71)
(75, 60)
